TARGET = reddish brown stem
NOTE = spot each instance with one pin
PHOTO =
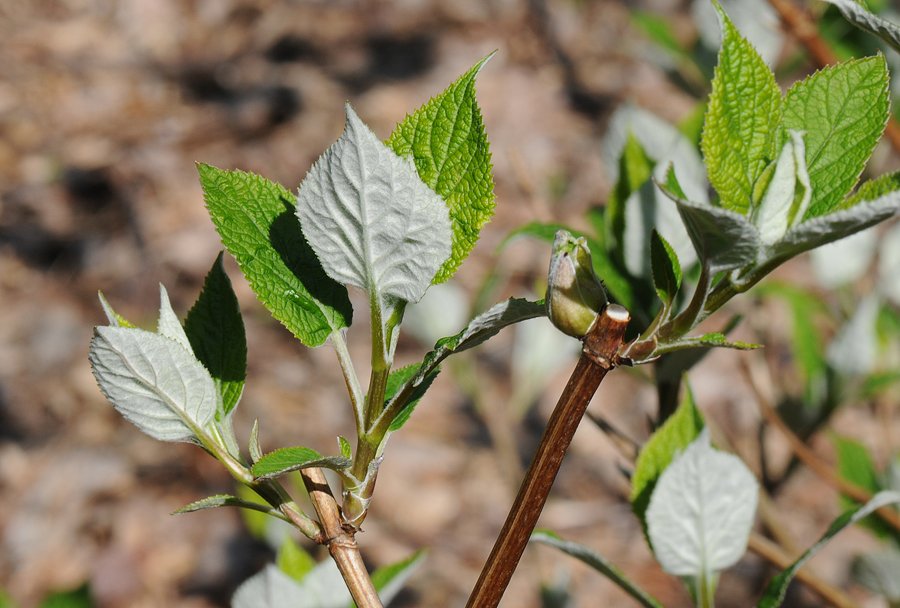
(598, 356)
(341, 543)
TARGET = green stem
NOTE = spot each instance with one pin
(690, 316)
(706, 590)
(350, 379)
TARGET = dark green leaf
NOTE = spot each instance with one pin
(666, 268)
(216, 331)
(284, 460)
(396, 381)
(255, 219)
(598, 563)
(76, 598)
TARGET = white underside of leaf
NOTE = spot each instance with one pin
(168, 324)
(788, 195)
(153, 381)
(854, 349)
(370, 219)
(701, 511)
(861, 18)
(848, 259)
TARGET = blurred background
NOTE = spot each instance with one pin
(105, 107)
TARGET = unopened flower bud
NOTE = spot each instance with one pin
(575, 296)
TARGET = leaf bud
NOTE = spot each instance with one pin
(575, 296)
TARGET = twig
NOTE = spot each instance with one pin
(807, 456)
(802, 27)
(597, 358)
(341, 544)
(773, 554)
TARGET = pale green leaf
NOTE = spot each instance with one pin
(598, 563)
(154, 382)
(293, 560)
(788, 193)
(345, 447)
(446, 140)
(370, 219)
(673, 436)
(389, 580)
(253, 444)
(842, 111)
(255, 219)
(847, 260)
(271, 588)
(743, 113)
(216, 332)
(856, 13)
(777, 588)
(224, 500)
(755, 19)
(396, 380)
(284, 460)
(710, 340)
(115, 319)
(701, 511)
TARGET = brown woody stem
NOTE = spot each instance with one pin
(341, 544)
(598, 356)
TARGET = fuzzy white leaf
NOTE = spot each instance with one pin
(168, 324)
(856, 14)
(847, 260)
(834, 226)
(153, 381)
(701, 511)
(788, 194)
(878, 572)
(270, 588)
(888, 264)
(370, 219)
(855, 348)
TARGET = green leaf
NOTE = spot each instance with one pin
(371, 220)
(635, 169)
(446, 140)
(389, 580)
(873, 189)
(257, 522)
(842, 110)
(115, 319)
(284, 460)
(777, 588)
(855, 464)
(253, 443)
(660, 31)
(76, 598)
(396, 381)
(856, 13)
(293, 560)
(154, 382)
(224, 500)
(672, 437)
(598, 563)
(255, 219)
(216, 332)
(666, 268)
(723, 238)
(743, 113)
(344, 445)
(701, 511)
(706, 341)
